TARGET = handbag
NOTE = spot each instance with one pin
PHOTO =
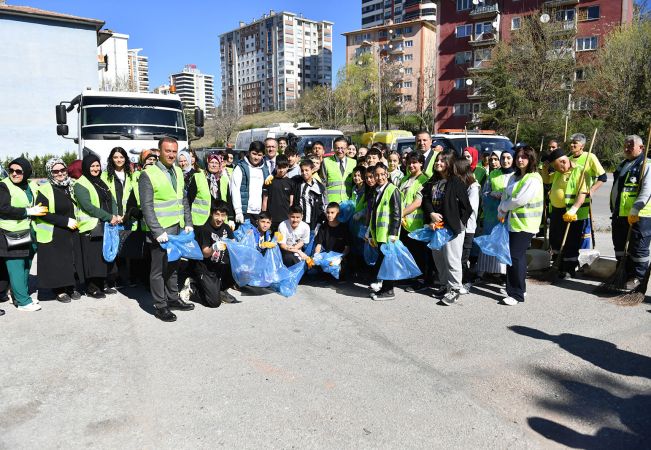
(18, 238)
(98, 231)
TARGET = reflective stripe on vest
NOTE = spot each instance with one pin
(414, 220)
(168, 201)
(380, 229)
(571, 191)
(87, 222)
(629, 192)
(527, 218)
(45, 230)
(201, 204)
(337, 185)
(19, 199)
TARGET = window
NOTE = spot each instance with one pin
(581, 74)
(581, 104)
(464, 30)
(587, 43)
(409, 58)
(589, 13)
(463, 5)
(460, 83)
(463, 57)
(406, 84)
(409, 43)
(409, 71)
(483, 27)
(516, 23)
(565, 15)
(483, 54)
(406, 30)
(407, 98)
(461, 109)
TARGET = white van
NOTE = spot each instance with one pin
(302, 135)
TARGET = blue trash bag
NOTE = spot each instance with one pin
(496, 243)
(330, 262)
(111, 242)
(371, 254)
(309, 248)
(424, 234)
(273, 269)
(242, 229)
(288, 286)
(362, 232)
(398, 264)
(246, 262)
(436, 239)
(248, 238)
(346, 211)
(182, 246)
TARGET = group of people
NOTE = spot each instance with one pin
(293, 201)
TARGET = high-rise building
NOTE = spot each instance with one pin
(469, 29)
(196, 89)
(411, 46)
(378, 12)
(267, 63)
(138, 71)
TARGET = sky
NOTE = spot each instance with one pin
(173, 34)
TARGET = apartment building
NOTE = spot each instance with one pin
(196, 89)
(411, 45)
(378, 12)
(121, 68)
(138, 71)
(469, 29)
(267, 63)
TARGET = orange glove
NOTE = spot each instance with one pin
(632, 220)
(567, 217)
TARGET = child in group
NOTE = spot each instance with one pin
(295, 235)
(294, 169)
(213, 273)
(316, 169)
(395, 174)
(373, 157)
(278, 196)
(310, 195)
(334, 236)
(262, 233)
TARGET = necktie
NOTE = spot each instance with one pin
(272, 165)
(341, 166)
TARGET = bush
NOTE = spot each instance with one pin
(38, 162)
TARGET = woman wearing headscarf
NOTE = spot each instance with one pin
(502, 170)
(16, 243)
(59, 248)
(184, 160)
(96, 206)
(206, 188)
(478, 171)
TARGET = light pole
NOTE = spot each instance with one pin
(379, 74)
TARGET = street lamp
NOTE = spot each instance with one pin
(367, 43)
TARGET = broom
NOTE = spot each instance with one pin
(552, 274)
(636, 295)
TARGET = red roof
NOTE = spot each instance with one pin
(41, 13)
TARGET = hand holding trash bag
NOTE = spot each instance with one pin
(496, 243)
(330, 262)
(435, 238)
(398, 264)
(111, 242)
(182, 246)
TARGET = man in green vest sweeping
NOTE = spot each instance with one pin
(339, 172)
(166, 212)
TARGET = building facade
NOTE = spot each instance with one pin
(378, 12)
(411, 46)
(114, 72)
(469, 29)
(196, 89)
(138, 71)
(266, 64)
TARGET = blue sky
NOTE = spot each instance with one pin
(173, 34)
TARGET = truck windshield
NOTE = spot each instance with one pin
(304, 143)
(483, 144)
(132, 120)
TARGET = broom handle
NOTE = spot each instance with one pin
(639, 188)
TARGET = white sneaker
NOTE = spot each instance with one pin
(463, 290)
(503, 292)
(375, 287)
(467, 286)
(509, 301)
(30, 308)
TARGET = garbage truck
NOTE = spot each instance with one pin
(133, 121)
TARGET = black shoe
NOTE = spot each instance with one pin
(180, 305)
(109, 291)
(417, 287)
(439, 291)
(75, 295)
(165, 315)
(2, 312)
(382, 296)
(64, 298)
(95, 294)
(226, 297)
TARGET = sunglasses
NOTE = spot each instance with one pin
(16, 171)
(58, 171)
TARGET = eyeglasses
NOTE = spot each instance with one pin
(58, 172)
(16, 171)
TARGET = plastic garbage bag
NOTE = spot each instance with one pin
(496, 243)
(288, 286)
(436, 239)
(249, 239)
(346, 211)
(246, 262)
(242, 230)
(309, 248)
(273, 269)
(371, 254)
(398, 264)
(111, 242)
(330, 262)
(182, 246)
(362, 232)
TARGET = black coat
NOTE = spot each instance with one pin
(59, 260)
(456, 208)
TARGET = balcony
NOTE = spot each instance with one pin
(564, 27)
(478, 66)
(476, 94)
(484, 11)
(557, 3)
(484, 39)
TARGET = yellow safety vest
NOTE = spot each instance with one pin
(126, 191)
(338, 186)
(380, 229)
(85, 221)
(168, 201)
(19, 199)
(414, 220)
(527, 218)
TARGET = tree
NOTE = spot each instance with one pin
(120, 84)
(225, 124)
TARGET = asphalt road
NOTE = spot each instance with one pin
(330, 369)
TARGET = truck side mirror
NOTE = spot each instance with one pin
(198, 132)
(62, 130)
(198, 118)
(61, 113)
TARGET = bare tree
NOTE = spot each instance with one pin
(225, 123)
(120, 84)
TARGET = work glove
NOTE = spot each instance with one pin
(232, 225)
(335, 262)
(501, 215)
(404, 222)
(633, 219)
(72, 224)
(393, 238)
(268, 244)
(38, 210)
(162, 238)
(279, 236)
(372, 243)
(310, 262)
(239, 218)
(570, 215)
(269, 180)
(188, 229)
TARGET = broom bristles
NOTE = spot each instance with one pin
(616, 283)
(632, 298)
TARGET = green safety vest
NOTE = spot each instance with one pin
(45, 230)
(497, 180)
(528, 217)
(338, 186)
(19, 199)
(360, 201)
(628, 194)
(168, 201)
(571, 191)
(380, 229)
(126, 192)
(201, 203)
(414, 220)
(85, 221)
(429, 170)
(480, 174)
